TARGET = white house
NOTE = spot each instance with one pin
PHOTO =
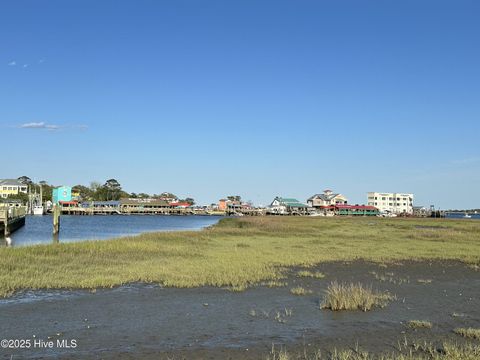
(286, 206)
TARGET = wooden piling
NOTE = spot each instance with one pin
(56, 219)
(7, 229)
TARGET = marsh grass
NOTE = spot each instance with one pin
(311, 274)
(424, 281)
(390, 277)
(353, 297)
(298, 290)
(469, 333)
(237, 253)
(408, 351)
(419, 324)
(274, 283)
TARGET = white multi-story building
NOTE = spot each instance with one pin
(396, 203)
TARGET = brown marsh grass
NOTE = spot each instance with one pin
(469, 333)
(409, 351)
(300, 291)
(419, 324)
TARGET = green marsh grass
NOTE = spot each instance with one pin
(353, 297)
(236, 253)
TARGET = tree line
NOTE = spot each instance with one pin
(95, 191)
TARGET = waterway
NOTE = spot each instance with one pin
(38, 229)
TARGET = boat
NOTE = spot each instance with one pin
(466, 216)
(38, 210)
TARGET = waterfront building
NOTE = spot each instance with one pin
(394, 203)
(287, 206)
(12, 187)
(62, 193)
(421, 211)
(148, 205)
(180, 204)
(328, 198)
(355, 210)
(222, 204)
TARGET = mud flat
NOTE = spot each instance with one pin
(152, 322)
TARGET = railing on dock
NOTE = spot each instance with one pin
(11, 213)
(11, 219)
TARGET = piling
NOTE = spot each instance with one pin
(7, 229)
(56, 219)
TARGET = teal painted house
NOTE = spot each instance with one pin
(62, 193)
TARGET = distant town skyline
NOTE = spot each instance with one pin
(259, 99)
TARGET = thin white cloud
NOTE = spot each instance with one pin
(34, 125)
(51, 127)
(12, 63)
(25, 65)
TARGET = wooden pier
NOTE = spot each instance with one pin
(11, 219)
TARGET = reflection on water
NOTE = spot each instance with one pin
(38, 229)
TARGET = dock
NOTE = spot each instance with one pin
(11, 218)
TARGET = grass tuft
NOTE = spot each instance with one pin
(419, 324)
(307, 273)
(424, 281)
(469, 333)
(300, 291)
(353, 297)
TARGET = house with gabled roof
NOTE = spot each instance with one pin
(328, 198)
(12, 187)
(287, 206)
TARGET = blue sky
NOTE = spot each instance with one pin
(256, 98)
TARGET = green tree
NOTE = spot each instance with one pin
(25, 180)
(113, 189)
(86, 193)
(46, 190)
(20, 196)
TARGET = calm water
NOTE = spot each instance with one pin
(461, 216)
(38, 229)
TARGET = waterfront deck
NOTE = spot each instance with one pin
(153, 210)
(11, 219)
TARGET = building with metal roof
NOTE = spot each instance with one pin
(287, 206)
(12, 187)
